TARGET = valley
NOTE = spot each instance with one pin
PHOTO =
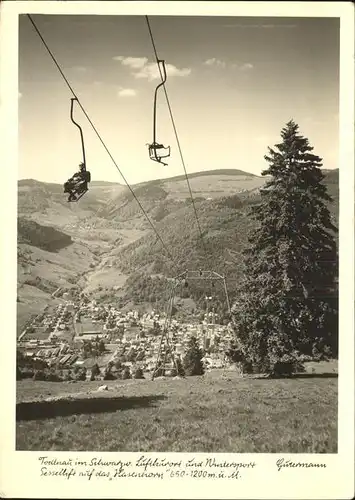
(106, 247)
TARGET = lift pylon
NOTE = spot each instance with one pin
(166, 353)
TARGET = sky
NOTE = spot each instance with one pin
(233, 83)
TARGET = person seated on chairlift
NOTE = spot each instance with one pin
(78, 183)
(83, 178)
(69, 186)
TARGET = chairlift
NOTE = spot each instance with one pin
(77, 185)
(158, 151)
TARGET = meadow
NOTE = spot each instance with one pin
(216, 412)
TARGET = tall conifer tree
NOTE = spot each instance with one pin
(287, 303)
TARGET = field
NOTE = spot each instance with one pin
(210, 186)
(218, 412)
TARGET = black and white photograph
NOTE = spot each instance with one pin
(178, 234)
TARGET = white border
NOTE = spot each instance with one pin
(19, 475)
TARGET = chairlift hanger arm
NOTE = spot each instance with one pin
(200, 275)
(181, 276)
(155, 149)
(80, 129)
(204, 278)
(164, 76)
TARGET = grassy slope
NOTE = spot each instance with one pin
(213, 413)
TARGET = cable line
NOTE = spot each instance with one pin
(175, 131)
(101, 140)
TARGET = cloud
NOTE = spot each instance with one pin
(132, 62)
(223, 64)
(215, 62)
(246, 67)
(141, 68)
(151, 71)
(126, 92)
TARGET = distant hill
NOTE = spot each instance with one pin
(105, 184)
(332, 182)
(202, 173)
(35, 197)
(45, 202)
(163, 196)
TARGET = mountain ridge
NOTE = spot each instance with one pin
(176, 177)
(200, 173)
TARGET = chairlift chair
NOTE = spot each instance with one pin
(77, 185)
(158, 151)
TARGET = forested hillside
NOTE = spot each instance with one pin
(44, 237)
(225, 225)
